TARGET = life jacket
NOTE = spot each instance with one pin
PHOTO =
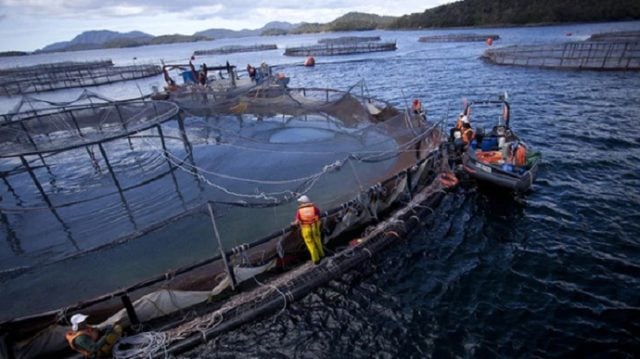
(518, 155)
(417, 106)
(307, 213)
(467, 135)
(71, 336)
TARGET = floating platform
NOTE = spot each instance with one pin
(459, 38)
(340, 49)
(47, 77)
(348, 39)
(590, 55)
(234, 49)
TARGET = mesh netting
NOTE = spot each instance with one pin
(46, 77)
(246, 155)
(38, 126)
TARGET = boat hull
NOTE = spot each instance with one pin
(495, 175)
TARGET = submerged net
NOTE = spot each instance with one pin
(247, 156)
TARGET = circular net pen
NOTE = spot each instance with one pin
(590, 55)
(47, 77)
(204, 202)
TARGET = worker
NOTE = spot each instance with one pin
(460, 121)
(252, 72)
(171, 84)
(308, 218)
(517, 154)
(89, 341)
(467, 133)
(200, 77)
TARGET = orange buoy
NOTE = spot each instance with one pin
(489, 41)
(310, 61)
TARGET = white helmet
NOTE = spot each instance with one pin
(76, 319)
(465, 119)
(304, 199)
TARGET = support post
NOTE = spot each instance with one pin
(131, 312)
(222, 253)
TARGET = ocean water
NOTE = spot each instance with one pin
(552, 273)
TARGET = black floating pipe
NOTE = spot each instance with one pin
(315, 277)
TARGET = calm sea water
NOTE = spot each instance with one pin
(554, 273)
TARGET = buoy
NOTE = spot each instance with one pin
(310, 61)
(489, 41)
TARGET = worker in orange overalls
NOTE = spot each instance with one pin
(308, 218)
(518, 154)
(89, 341)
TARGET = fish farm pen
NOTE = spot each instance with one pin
(234, 49)
(348, 39)
(458, 38)
(610, 56)
(622, 36)
(214, 163)
(340, 49)
(47, 77)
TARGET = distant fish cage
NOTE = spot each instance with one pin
(348, 39)
(26, 71)
(458, 38)
(591, 55)
(340, 49)
(623, 36)
(233, 49)
(47, 77)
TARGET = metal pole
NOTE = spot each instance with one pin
(131, 312)
(222, 253)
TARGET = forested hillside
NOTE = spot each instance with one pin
(520, 12)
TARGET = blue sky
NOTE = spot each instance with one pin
(27, 25)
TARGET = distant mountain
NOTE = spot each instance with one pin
(353, 21)
(519, 12)
(358, 21)
(226, 33)
(282, 25)
(95, 39)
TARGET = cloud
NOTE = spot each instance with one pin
(202, 9)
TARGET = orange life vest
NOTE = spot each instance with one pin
(307, 213)
(88, 331)
(467, 135)
(518, 156)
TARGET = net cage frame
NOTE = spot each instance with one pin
(603, 55)
(65, 75)
(23, 123)
(405, 181)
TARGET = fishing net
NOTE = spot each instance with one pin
(46, 77)
(237, 160)
(40, 126)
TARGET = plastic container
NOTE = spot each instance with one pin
(489, 144)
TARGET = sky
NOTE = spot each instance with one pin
(27, 25)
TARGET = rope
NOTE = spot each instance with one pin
(140, 345)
